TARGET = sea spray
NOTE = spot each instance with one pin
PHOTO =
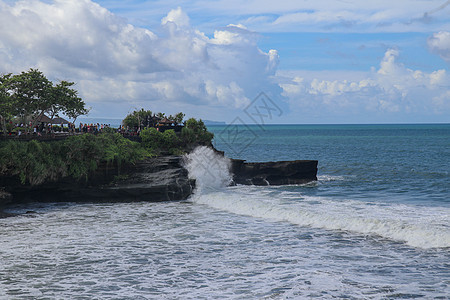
(210, 169)
(317, 212)
(422, 228)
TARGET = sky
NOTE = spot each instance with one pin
(260, 61)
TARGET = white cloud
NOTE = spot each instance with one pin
(178, 17)
(440, 44)
(116, 63)
(331, 15)
(119, 67)
(391, 91)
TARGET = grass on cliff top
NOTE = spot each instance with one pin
(38, 162)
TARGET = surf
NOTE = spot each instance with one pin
(422, 227)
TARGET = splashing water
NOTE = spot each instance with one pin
(418, 227)
(210, 169)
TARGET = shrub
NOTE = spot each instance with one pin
(36, 162)
(159, 142)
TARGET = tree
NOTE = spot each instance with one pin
(7, 103)
(32, 93)
(66, 100)
(138, 119)
(196, 129)
(178, 118)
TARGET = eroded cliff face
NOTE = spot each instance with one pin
(162, 178)
(274, 173)
(153, 179)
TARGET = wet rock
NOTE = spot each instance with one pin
(274, 173)
(154, 179)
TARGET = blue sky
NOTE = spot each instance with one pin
(318, 61)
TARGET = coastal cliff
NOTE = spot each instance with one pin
(153, 179)
(162, 178)
(274, 173)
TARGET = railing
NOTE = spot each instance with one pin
(40, 137)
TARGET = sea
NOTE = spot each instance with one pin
(376, 225)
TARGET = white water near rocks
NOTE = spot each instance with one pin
(418, 227)
(231, 242)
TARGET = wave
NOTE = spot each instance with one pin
(423, 227)
(327, 178)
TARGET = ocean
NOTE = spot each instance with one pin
(376, 225)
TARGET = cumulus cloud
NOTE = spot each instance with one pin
(176, 67)
(389, 91)
(440, 44)
(118, 66)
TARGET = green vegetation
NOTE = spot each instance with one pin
(195, 131)
(30, 95)
(146, 118)
(37, 162)
(79, 155)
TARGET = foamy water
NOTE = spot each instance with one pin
(425, 227)
(373, 228)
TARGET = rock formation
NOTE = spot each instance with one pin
(274, 173)
(153, 179)
(156, 179)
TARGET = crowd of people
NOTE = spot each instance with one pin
(20, 129)
(93, 128)
(46, 129)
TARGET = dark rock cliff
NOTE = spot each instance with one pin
(156, 179)
(153, 179)
(274, 173)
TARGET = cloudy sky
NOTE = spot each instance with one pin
(317, 61)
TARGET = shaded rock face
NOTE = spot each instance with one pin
(5, 198)
(154, 179)
(274, 173)
(157, 179)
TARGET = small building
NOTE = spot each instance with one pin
(42, 119)
(59, 120)
(165, 122)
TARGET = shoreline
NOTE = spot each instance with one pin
(157, 179)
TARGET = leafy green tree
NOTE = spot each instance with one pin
(64, 99)
(196, 130)
(32, 93)
(7, 103)
(151, 138)
(178, 118)
(159, 142)
(170, 140)
(138, 118)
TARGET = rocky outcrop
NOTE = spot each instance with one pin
(154, 179)
(274, 173)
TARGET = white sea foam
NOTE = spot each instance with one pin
(424, 227)
(326, 178)
(210, 169)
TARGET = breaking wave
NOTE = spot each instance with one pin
(423, 227)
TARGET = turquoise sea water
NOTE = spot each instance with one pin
(389, 163)
(376, 225)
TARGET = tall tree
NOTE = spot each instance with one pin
(138, 118)
(32, 93)
(178, 118)
(65, 100)
(6, 101)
